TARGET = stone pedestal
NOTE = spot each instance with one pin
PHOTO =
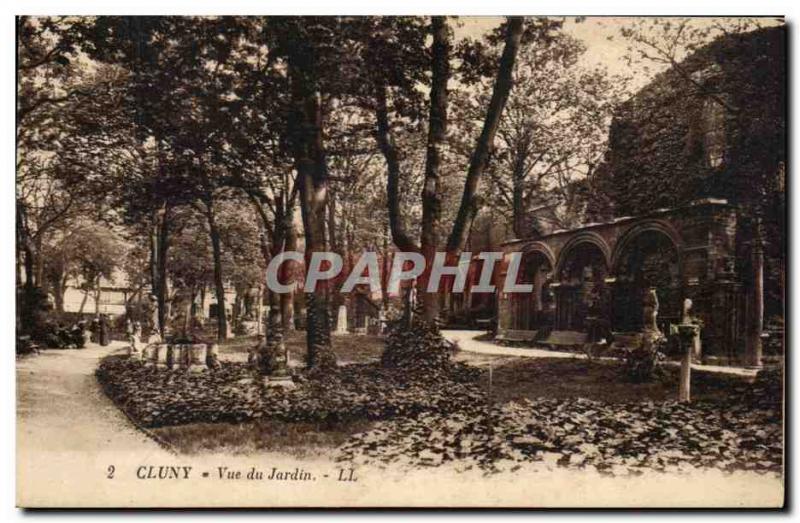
(212, 356)
(689, 336)
(147, 355)
(280, 376)
(341, 322)
(159, 355)
(279, 381)
(193, 356)
(134, 349)
(135, 355)
(250, 328)
(274, 357)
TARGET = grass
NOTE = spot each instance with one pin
(297, 439)
(602, 380)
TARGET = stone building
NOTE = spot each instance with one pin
(596, 275)
(689, 200)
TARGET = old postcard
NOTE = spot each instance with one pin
(400, 261)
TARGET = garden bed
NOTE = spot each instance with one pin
(744, 432)
(562, 412)
(235, 393)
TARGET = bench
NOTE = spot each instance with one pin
(626, 340)
(516, 336)
(486, 324)
(566, 339)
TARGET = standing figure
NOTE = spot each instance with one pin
(650, 310)
(137, 330)
(152, 315)
(686, 316)
(96, 329)
(85, 333)
(104, 334)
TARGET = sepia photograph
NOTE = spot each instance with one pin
(430, 261)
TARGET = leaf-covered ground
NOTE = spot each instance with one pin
(742, 432)
(545, 412)
(235, 393)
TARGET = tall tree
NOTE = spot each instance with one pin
(551, 136)
(440, 57)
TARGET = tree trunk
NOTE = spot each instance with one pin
(260, 310)
(517, 198)
(97, 292)
(30, 264)
(431, 189)
(386, 267)
(219, 283)
(202, 308)
(83, 301)
(480, 156)
(39, 267)
(287, 298)
(312, 178)
(58, 297)
(756, 323)
(154, 254)
(161, 265)
(388, 148)
(26, 245)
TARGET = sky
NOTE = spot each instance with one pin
(605, 46)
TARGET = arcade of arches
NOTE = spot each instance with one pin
(592, 280)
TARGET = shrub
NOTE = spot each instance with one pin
(419, 348)
(643, 364)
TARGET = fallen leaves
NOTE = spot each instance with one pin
(743, 433)
(234, 393)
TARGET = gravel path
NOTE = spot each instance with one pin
(467, 342)
(60, 406)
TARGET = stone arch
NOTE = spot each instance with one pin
(534, 310)
(581, 238)
(648, 255)
(580, 287)
(649, 226)
(541, 248)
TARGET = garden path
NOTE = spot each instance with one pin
(61, 407)
(467, 342)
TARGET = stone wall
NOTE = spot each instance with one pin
(704, 236)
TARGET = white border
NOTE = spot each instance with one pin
(177, 7)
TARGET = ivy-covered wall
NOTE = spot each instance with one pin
(714, 126)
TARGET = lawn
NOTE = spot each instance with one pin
(601, 380)
(515, 381)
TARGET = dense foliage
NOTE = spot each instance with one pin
(418, 349)
(744, 432)
(234, 393)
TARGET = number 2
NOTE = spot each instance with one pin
(111, 472)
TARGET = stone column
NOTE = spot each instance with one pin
(341, 322)
(755, 323)
(159, 355)
(212, 356)
(196, 357)
(274, 357)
